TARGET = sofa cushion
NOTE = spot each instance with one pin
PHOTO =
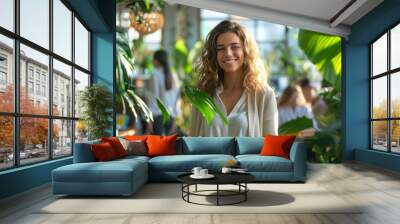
(116, 145)
(161, 145)
(134, 147)
(207, 145)
(185, 163)
(103, 152)
(83, 152)
(257, 163)
(249, 145)
(112, 171)
(277, 145)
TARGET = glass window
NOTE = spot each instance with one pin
(35, 21)
(62, 29)
(379, 133)
(395, 136)
(33, 139)
(62, 72)
(395, 95)
(395, 47)
(379, 56)
(40, 62)
(7, 14)
(62, 138)
(81, 131)
(6, 82)
(30, 87)
(382, 137)
(81, 81)
(6, 142)
(269, 31)
(379, 98)
(212, 14)
(81, 45)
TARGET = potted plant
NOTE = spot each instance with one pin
(95, 102)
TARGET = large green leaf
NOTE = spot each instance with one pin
(204, 104)
(324, 51)
(295, 126)
(166, 115)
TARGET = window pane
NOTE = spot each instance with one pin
(379, 56)
(7, 14)
(6, 74)
(81, 45)
(34, 97)
(379, 98)
(81, 81)
(269, 31)
(208, 14)
(62, 89)
(395, 129)
(81, 131)
(207, 26)
(6, 142)
(62, 141)
(62, 29)
(395, 94)
(395, 47)
(379, 135)
(249, 25)
(35, 21)
(33, 139)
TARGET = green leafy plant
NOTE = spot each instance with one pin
(125, 93)
(295, 126)
(95, 102)
(324, 51)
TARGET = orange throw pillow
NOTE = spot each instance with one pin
(161, 145)
(136, 137)
(277, 145)
(103, 151)
(116, 145)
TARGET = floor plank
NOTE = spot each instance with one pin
(375, 189)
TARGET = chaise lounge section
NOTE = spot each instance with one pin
(125, 176)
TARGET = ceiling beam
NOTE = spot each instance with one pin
(347, 11)
(266, 14)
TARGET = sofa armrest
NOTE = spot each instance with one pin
(298, 155)
(83, 152)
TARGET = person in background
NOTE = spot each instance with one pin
(317, 104)
(159, 84)
(292, 105)
(230, 71)
(172, 102)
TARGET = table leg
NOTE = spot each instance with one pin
(217, 194)
(196, 188)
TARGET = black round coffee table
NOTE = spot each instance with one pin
(238, 179)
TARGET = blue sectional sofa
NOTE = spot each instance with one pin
(125, 176)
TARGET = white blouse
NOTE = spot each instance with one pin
(238, 119)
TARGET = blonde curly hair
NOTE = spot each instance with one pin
(211, 74)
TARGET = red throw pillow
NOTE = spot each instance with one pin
(116, 145)
(103, 151)
(277, 145)
(161, 145)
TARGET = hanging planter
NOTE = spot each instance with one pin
(146, 22)
(146, 15)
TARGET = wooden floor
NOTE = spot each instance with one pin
(378, 189)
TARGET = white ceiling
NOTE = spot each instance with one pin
(318, 15)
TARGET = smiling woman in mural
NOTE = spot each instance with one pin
(230, 70)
